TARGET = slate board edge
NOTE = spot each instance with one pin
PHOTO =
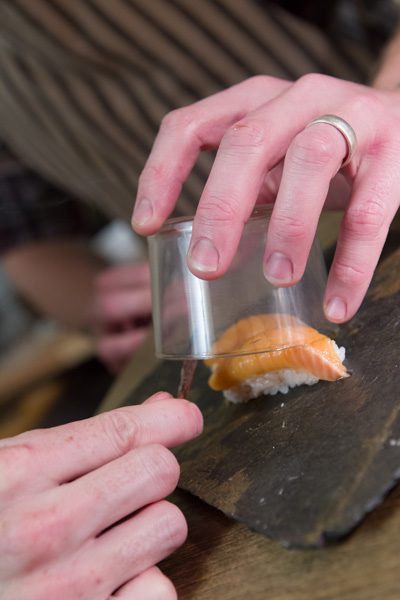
(326, 538)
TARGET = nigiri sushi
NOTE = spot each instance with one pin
(277, 352)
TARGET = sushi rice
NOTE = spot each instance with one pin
(274, 382)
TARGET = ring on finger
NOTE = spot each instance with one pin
(345, 129)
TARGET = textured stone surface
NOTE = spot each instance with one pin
(306, 467)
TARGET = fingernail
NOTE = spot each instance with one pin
(336, 309)
(158, 397)
(204, 256)
(278, 268)
(143, 212)
(198, 418)
(200, 423)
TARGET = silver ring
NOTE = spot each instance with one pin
(345, 129)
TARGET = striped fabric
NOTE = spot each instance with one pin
(85, 83)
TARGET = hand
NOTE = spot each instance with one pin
(264, 147)
(122, 312)
(81, 509)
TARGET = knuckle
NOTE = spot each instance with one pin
(246, 134)
(122, 429)
(366, 103)
(17, 457)
(172, 525)
(162, 466)
(217, 208)
(289, 226)
(365, 222)
(152, 173)
(264, 83)
(257, 80)
(155, 174)
(17, 453)
(350, 274)
(313, 81)
(16, 464)
(179, 118)
(313, 147)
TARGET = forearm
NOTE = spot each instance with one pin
(56, 277)
(388, 73)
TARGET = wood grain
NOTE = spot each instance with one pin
(224, 560)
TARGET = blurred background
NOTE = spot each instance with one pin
(83, 88)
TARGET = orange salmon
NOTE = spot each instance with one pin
(291, 343)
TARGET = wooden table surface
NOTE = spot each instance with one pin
(224, 560)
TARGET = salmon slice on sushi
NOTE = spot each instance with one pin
(274, 352)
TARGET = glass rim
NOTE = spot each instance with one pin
(177, 224)
(226, 355)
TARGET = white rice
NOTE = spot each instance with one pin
(273, 382)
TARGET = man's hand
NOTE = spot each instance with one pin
(260, 129)
(82, 513)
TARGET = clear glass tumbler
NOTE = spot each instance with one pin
(190, 314)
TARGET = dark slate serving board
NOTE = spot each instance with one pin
(304, 468)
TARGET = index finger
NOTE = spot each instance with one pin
(182, 136)
(66, 452)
